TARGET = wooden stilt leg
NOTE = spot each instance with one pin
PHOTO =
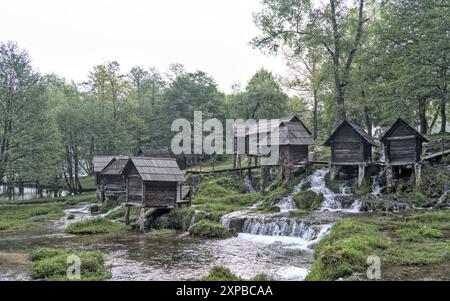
(418, 173)
(127, 215)
(389, 178)
(361, 171)
(332, 172)
(141, 219)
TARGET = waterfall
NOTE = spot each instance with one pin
(249, 185)
(376, 188)
(279, 227)
(443, 198)
(286, 204)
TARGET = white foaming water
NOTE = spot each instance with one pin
(278, 226)
(286, 204)
(249, 185)
(291, 273)
(443, 198)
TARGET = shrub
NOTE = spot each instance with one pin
(95, 226)
(71, 216)
(209, 229)
(52, 264)
(332, 185)
(220, 273)
(178, 219)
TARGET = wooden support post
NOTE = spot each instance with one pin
(418, 173)
(249, 165)
(361, 171)
(239, 163)
(332, 172)
(389, 178)
(127, 215)
(142, 219)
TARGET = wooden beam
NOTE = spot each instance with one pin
(401, 138)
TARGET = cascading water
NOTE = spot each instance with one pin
(443, 198)
(376, 188)
(249, 185)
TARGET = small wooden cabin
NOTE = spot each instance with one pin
(112, 182)
(402, 146)
(100, 162)
(153, 152)
(294, 137)
(153, 182)
(350, 146)
(293, 141)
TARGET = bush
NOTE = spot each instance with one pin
(361, 190)
(95, 226)
(52, 264)
(209, 229)
(220, 273)
(177, 219)
(308, 200)
(71, 216)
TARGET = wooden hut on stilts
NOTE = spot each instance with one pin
(402, 147)
(350, 146)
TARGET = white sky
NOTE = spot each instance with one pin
(70, 37)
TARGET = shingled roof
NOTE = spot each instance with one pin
(265, 128)
(157, 169)
(154, 152)
(292, 133)
(115, 167)
(100, 162)
(357, 129)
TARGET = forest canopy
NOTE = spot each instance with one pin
(367, 61)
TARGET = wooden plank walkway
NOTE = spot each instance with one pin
(196, 172)
(436, 155)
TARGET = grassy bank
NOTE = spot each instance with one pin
(223, 194)
(419, 241)
(18, 215)
(52, 264)
(96, 226)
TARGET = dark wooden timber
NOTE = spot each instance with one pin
(402, 146)
(350, 146)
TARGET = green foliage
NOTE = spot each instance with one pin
(345, 249)
(361, 190)
(120, 213)
(418, 254)
(95, 226)
(332, 185)
(298, 213)
(16, 217)
(51, 264)
(308, 200)
(209, 229)
(223, 194)
(420, 233)
(177, 219)
(220, 273)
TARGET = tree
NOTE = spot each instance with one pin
(334, 26)
(27, 136)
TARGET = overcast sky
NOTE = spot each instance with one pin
(70, 37)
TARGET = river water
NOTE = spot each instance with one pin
(274, 244)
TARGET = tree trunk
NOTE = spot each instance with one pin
(69, 170)
(422, 116)
(78, 187)
(315, 115)
(443, 115)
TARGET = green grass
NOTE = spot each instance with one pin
(95, 226)
(223, 194)
(221, 273)
(88, 182)
(209, 229)
(298, 213)
(119, 213)
(401, 240)
(52, 264)
(176, 219)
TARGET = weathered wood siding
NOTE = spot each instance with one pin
(113, 183)
(402, 146)
(134, 189)
(349, 147)
(160, 194)
(294, 153)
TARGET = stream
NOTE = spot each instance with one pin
(274, 244)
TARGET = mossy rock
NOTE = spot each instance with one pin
(220, 273)
(52, 264)
(362, 190)
(209, 229)
(95, 226)
(308, 200)
(332, 185)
